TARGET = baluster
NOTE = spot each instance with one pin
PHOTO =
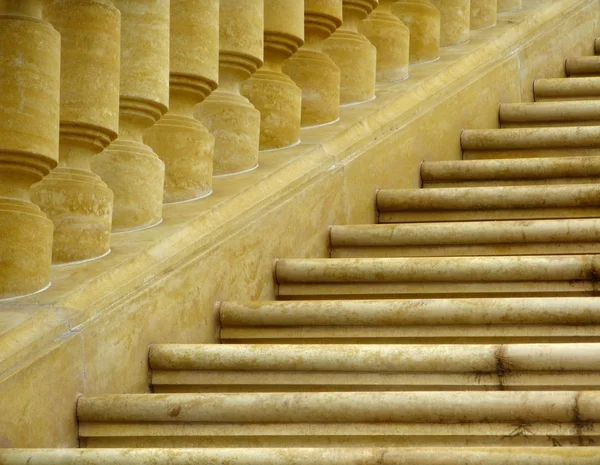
(483, 13)
(354, 54)
(391, 38)
(130, 168)
(423, 21)
(230, 117)
(29, 129)
(311, 69)
(182, 142)
(75, 199)
(455, 21)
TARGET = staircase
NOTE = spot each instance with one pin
(463, 328)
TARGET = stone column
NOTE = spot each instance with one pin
(483, 13)
(509, 5)
(182, 142)
(354, 54)
(273, 93)
(130, 168)
(75, 199)
(455, 22)
(29, 120)
(423, 20)
(229, 117)
(313, 71)
(391, 38)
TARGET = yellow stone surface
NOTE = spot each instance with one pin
(483, 13)
(75, 199)
(455, 21)
(391, 38)
(230, 117)
(29, 118)
(182, 143)
(160, 285)
(509, 5)
(273, 93)
(130, 168)
(354, 54)
(312, 70)
(423, 21)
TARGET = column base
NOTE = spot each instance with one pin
(80, 206)
(186, 148)
(235, 125)
(136, 176)
(25, 248)
(483, 14)
(279, 101)
(319, 79)
(357, 60)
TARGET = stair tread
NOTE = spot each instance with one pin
(305, 456)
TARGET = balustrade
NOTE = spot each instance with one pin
(230, 117)
(182, 142)
(455, 21)
(391, 38)
(311, 69)
(29, 121)
(423, 21)
(76, 200)
(130, 168)
(353, 53)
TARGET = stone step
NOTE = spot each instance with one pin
(536, 114)
(478, 144)
(505, 276)
(488, 203)
(582, 66)
(469, 238)
(307, 456)
(363, 367)
(334, 419)
(573, 88)
(418, 321)
(505, 172)
(597, 46)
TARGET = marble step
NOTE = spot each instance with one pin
(582, 66)
(413, 321)
(542, 142)
(511, 172)
(469, 238)
(488, 203)
(503, 276)
(306, 456)
(545, 114)
(189, 368)
(573, 88)
(334, 419)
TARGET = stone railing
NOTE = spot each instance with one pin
(145, 101)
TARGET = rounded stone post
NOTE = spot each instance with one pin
(354, 54)
(509, 5)
(391, 38)
(313, 71)
(483, 13)
(75, 199)
(182, 142)
(231, 118)
(455, 21)
(29, 121)
(130, 168)
(273, 93)
(423, 21)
